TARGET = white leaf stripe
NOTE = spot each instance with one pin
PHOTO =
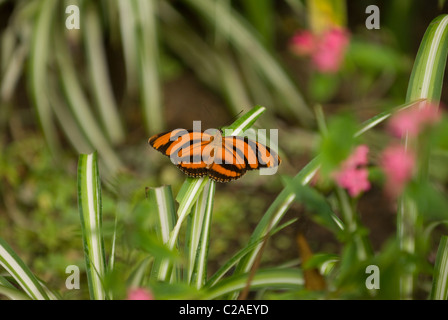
(90, 210)
(440, 282)
(184, 209)
(201, 264)
(17, 270)
(287, 278)
(161, 200)
(431, 59)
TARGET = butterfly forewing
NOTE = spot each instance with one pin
(267, 158)
(233, 148)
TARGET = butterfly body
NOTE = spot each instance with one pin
(223, 159)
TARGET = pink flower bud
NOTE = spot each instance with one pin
(303, 43)
(398, 164)
(330, 50)
(352, 174)
(139, 294)
(414, 119)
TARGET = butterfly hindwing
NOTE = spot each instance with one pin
(225, 172)
(194, 170)
(229, 162)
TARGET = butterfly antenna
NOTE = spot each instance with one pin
(232, 120)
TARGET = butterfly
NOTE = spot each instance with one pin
(223, 159)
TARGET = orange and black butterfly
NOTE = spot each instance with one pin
(223, 159)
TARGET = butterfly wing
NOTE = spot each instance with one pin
(254, 154)
(260, 156)
(229, 162)
(192, 160)
(184, 149)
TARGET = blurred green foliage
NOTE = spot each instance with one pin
(128, 73)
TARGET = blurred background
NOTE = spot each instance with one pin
(135, 68)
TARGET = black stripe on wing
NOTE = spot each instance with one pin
(225, 172)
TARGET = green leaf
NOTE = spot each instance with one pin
(439, 289)
(80, 106)
(323, 86)
(13, 293)
(376, 57)
(162, 198)
(284, 200)
(39, 54)
(231, 262)
(245, 122)
(136, 277)
(372, 122)
(429, 67)
(425, 83)
(261, 14)
(240, 254)
(21, 273)
(174, 291)
(264, 278)
(242, 38)
(316, 204)
(431, 203)
(323, 261)
(100, 78)
(148, 58)
(338, 143)
(274, 214)
(89, 206)
(200, 233)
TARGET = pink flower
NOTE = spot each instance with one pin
(353, 174)
(303, 43)
(139, 294)
(354, 180)
(330, 50)
(358, 157)
(397, 163)
(414, 119)
(327, 51)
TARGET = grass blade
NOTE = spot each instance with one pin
(199, 250)
(192, 189)
(372, 122)
(129, 40)
(39, 53)
(274, 213)
(100, 79)
(429, 67)
(135, 280)
(439, 289)
(162, 197)
(267, 278)
(89, 206)
(21, 273)
(12, 293)
(240, 254)
(286, 197)
(145, 11)
(425, 83)
(244, 40)
(81, 109)
(167, 214)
